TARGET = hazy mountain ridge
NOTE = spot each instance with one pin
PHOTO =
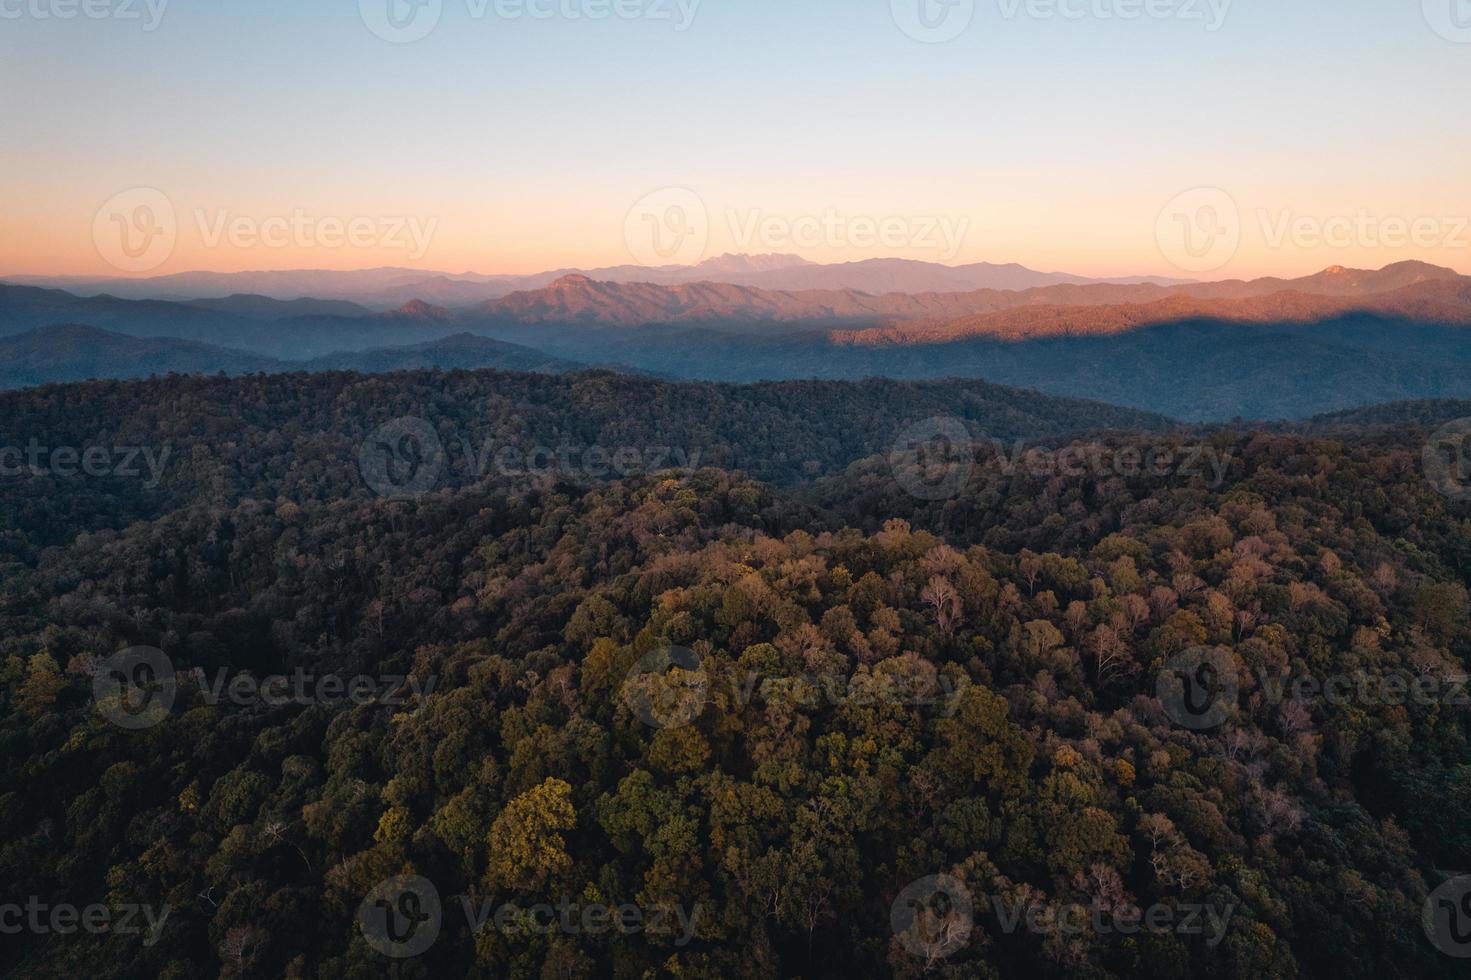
(386, 288)
(1419, 415)
(258, 307)
(579, 299)
(1430, 301)
(70, 353)
(1338, 340)
(73, 352)
(24, 308)
(575, 298)
(460, 351)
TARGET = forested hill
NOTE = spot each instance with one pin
(299, 437)
(893, 687)
(1410, 416)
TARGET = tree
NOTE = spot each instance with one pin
(945, 603)
(1112, 657)
(527, 848)
(43, 684)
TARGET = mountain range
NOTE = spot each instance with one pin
(577, 299)
(73, 352)
(387, 288)
(1265, 348)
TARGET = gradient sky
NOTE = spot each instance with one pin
(1058, 141)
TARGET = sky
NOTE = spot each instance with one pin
(1192, 138)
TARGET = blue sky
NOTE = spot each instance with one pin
(1058, 139)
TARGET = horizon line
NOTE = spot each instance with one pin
(1177, 277)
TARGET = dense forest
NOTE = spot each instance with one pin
(756, 704)
(299, 437)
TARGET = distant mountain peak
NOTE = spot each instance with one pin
(420, 309)
(1340, 278)
(1408, 264)
(734, 262)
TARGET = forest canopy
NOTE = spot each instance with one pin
(764, 710)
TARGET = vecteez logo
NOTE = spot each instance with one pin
(933, 917)
(667, 688)
(135, 689)
(136, 230)
(1447, 459)
(933, 459)
(148, 12)
(1199, 688)
(674, 226)
(1447, 917)
(1210, 13)
(407, 21)
(402, 459)
(1451, 19)
(42, 918)
(1199, 230)
(933, 21)
(401, 918)
(669, 226)
(1363, 229)
(410, 234)
(941, 235)
(401, 21)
